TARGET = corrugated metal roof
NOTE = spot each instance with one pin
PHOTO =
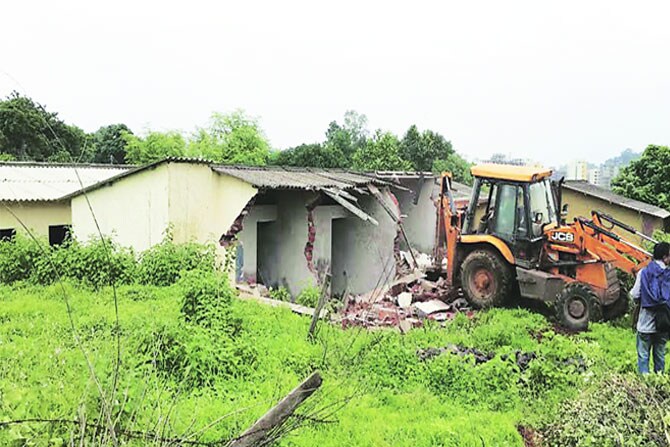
(47, 181)
(298, 178)
(611, 197)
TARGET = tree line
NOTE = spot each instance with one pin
(28, 132)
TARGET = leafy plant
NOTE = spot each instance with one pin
(309, 296)
(280, 294)
(164, 263)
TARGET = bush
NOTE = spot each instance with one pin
(280, 294)
(17, 258)
(620, 411)
(98, 263)
(163, 264)
(309, 296)
(206, 300)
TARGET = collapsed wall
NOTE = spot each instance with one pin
(292, 238)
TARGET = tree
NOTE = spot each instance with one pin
(648, 178)
(153, 147)
(422, 149)
(311, 155)
(29, 132)
(349, 137)
(109, 144)
(459, 168)
(234, 138)
(380, 153)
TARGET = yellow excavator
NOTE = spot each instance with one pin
(513, 241)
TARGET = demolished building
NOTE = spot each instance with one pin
(288, 226)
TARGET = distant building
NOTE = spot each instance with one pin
(577, 170)
(607, 174)
(595, 177)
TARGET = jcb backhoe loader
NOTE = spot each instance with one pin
(517, 244)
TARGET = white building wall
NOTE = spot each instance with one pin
(133, 210)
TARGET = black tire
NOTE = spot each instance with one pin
(487, 279)
(617, 308)
(576, 306)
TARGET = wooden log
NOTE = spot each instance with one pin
(278, 414)
(319, 306)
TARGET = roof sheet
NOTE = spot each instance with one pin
(510, 172)
(298, 178)
(587, 188)
(47, 182)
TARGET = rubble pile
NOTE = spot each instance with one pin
(404, 303)
(522, 359)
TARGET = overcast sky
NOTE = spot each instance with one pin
(554, 82)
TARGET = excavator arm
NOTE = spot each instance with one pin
(611, 247)
(452, 224)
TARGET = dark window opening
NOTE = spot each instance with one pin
(59, 234)
(7, 234)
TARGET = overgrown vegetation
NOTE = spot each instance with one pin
(193, 351)
(99, 262)
(191, 354)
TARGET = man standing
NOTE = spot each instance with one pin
(647, 290)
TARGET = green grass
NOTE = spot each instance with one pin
(393, 398)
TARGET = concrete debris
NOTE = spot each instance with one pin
(260, 293)
(522, 359)
(426, 308)
(404, 299)
(394, 288)
(423, 263)
(404, 303)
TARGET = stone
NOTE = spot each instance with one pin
(404, 299)
(426, 308)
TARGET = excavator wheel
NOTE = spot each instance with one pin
(487, 279)
(576, 306)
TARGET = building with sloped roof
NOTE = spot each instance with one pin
(583, 197)
(288, 226)
(32, 195)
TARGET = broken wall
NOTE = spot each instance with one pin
(363, 254)
(281, 243)
(421, 217)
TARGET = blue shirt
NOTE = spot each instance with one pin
(646, 323)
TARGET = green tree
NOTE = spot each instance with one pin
(233, 138)
(380, 153)
(154, 146)
(311, 155)
(423, 149)
(348, 137)
(109, 144)
(648, 178)
(459, 168)
(29, 132)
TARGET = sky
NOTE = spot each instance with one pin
(551, 81)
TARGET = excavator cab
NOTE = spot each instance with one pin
(512, 208)
(511, 241)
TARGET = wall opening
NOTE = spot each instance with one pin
(339, 282)
(268, 263)
(59, 234)
(7, 234)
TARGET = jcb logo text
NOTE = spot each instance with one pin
(562, 237)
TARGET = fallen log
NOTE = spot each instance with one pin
(257, 433)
